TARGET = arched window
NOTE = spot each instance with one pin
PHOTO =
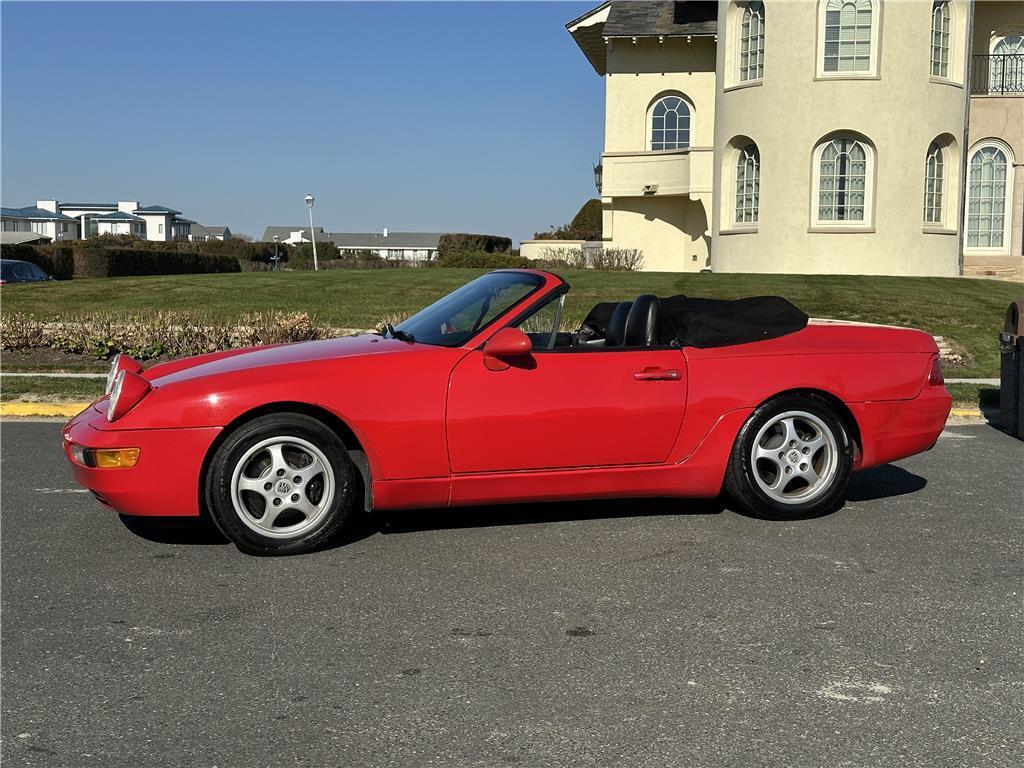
(844, 180)
(940, 38)
(987, 190)
(848, 35)
(670, 124)
(934, 184)
(752, 41)
(1006, 70)
(748, 184)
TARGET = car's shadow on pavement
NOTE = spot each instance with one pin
(174, 530)
(876, 483)
(883, 482)
(412, 521)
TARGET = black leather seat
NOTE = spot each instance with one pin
(617, 325)
(642, 322)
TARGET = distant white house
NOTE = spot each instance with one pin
(73, 221)
(38, 221)
(200, 233)
(410, 246)
(293, 235)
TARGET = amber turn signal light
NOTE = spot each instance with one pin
(105, 458)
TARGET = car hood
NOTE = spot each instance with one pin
(282, 354)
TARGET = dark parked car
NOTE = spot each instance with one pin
(12, 271)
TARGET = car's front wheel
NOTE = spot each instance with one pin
(280, 484)
(792, 459)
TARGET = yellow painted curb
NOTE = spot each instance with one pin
(965, 412)
(66, 410)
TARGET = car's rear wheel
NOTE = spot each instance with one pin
(280, 484)
(792, 460)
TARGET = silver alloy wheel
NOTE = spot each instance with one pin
(282, 487)
(794, 458)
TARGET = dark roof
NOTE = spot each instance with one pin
(640, 18)
(285, 232)
(89, 205)
(222, 231)
(155, 209)
(643, 18)
(118, 216)
(183, 220)
(22, 238)
(31, 212)
(370, 240)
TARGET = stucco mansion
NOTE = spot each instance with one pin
(828, 136)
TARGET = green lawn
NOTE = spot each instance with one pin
(967, 312)
(48, 388)
(974, 395)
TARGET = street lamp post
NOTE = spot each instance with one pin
(312, 235)
(277, 256)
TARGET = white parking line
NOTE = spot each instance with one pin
(955, 435)
(60, 490)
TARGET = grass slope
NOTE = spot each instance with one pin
(33, 388)
(967, 312)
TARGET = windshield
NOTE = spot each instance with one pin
(453, 320)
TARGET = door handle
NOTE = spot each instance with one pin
(658, 374)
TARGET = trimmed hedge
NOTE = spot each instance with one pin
(122, 262)
(482, 260)
(452, 244)
(54, 260)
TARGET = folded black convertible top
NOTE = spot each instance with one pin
(703, 323)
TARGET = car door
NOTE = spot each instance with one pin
(565, 408)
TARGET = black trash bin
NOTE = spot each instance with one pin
(1011, 371)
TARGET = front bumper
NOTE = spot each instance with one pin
(164, 481)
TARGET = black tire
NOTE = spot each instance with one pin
(328, 520)
(742, 485)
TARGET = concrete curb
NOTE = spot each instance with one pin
(67, 410)
(966, 412)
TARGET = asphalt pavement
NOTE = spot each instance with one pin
(626, 634)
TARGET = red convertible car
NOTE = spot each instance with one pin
(482, 398)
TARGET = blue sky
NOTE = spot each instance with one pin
(415, 116)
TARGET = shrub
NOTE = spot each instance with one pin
(19, 331)
(585, 225)
(481, 260)
(54, 259)
(611, 259)
(451, 244)
(98, 261)
(155, 334)
(301, 256)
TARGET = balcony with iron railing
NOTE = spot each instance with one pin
(997, 74)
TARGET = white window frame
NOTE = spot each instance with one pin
(1004, 249)
(943, 183)
(945, 46)
(650, 121)
(160, 228)
(876, 34)
(739, 196)
(747, 9)
(868, 221)
(994, 42)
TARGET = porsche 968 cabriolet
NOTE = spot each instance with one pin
(483, 397)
